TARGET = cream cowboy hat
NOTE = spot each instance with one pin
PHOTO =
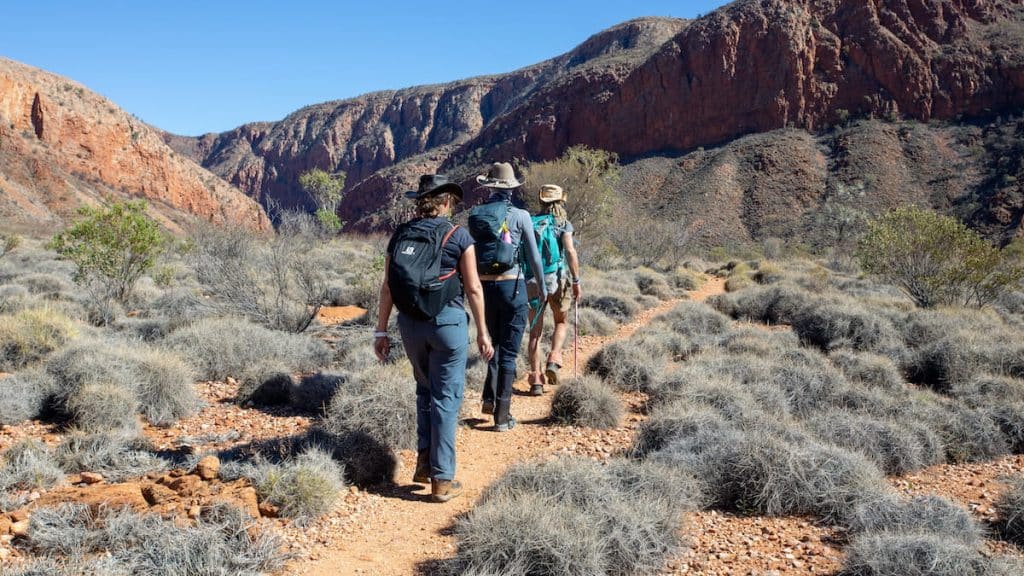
(500, 175)
(551, 193)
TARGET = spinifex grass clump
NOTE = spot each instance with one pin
(577, 517)
(29, 465)
(379, 402)
(229, 347)
(1010, 511)
(586, 401)
(223, 540)
(89, 374)
(25, 395)
(303, 488)
(29, 336)
(624, 365)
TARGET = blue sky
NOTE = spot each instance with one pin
(191, 66)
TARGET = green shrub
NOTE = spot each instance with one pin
(935, 259)
(29, 336)
(113, 246)
(587, 402)
(222, 347)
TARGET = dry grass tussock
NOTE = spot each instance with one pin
(378, 402)
(303, 487)
(586, 401)
(91, 373)
(29, 336)
(223, 540)
(575, 516)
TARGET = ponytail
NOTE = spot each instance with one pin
(556, 209)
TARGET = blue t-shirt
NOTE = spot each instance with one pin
(459, 242)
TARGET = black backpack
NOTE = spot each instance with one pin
(488, 222)
(414, 269)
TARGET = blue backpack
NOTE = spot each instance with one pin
(488, 224)
(549, 242)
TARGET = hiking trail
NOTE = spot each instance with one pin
(404, 533)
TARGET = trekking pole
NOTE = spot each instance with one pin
(575, 338)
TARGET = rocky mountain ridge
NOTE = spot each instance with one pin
(63, 146)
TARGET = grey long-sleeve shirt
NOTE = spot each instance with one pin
(521, 229)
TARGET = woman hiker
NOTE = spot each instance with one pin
(500, 231)
(563, 286)
(430, 249)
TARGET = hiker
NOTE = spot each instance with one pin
(500, 231)
(430, 264)
(562, 279)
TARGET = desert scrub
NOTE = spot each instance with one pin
(29, 336)
(893, 447)
(619, 308)
(776, 304)
(1010, 512)
(160, 382)
(378, 402)
(871, 370)
(313, 393)
(224, 347)
(651, 283)
(25, 395)
(695, 320)
(266, 385)
(684, 279)
(624, 366)
(844, 325)
(118, 456)
(586, 401)
(223, 540)
(302, 488)
(931, 514)
(575, 517)
(914, 553)
(593, 322)
(29, 465)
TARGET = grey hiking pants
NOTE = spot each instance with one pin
(437, 350)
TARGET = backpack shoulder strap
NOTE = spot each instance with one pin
(444, 241)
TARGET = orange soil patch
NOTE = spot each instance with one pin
(331, 315)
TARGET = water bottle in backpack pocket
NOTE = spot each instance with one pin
(488, 224)
(418, 288)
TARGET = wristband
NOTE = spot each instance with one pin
(380, 334)
(575, 281)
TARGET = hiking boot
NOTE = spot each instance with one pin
(503, 421)
(536, 384)
(551, 373)
(444, 490)
(422, 473)
(487, 407)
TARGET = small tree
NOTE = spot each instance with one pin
(935, 259)
(588, 177)
(326, 191)
(113, 247)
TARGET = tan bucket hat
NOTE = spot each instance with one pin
(551, 193)
(500, 175)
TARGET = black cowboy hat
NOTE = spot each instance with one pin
(431, 184)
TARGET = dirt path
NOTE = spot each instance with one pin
(404, 532)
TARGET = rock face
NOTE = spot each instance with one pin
(62, 146)
(649, 87)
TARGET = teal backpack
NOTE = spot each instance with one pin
(545, 230)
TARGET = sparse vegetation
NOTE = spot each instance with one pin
(586, 401)
(935, 259)
(326, 191)
(222, 347)
(112, 247)
(379, 402)
(29, 336)
(302, 488)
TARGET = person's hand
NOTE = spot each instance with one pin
(382, 347)
(576, 292)
(483, 343)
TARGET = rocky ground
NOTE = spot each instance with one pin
(394, 529)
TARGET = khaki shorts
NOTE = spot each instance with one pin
(559, 295)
